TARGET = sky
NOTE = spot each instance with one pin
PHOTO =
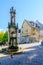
(31, 10)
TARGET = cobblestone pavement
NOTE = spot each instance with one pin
(32, 55)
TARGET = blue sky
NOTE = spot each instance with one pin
(25, 9)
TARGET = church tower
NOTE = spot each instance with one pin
(12, 30)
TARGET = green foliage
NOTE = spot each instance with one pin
(1, 36)
(5, 37)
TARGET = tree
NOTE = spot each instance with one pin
(5, 37)
(1, 36)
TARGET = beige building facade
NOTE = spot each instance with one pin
(29, 33)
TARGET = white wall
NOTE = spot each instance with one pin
(18, 38)
(41, 32)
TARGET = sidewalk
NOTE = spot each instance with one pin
(32, 56)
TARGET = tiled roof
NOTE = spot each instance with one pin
(33, 24)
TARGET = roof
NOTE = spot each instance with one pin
(32, 24)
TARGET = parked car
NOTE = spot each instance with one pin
(42, 42)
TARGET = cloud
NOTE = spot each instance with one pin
(1, 29)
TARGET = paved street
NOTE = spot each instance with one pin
(31, 55)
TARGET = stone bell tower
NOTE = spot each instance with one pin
(12, 30)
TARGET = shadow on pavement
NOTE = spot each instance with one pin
(34, 56)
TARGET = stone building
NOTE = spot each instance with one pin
(29, 32)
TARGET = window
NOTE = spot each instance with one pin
(26, 30)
